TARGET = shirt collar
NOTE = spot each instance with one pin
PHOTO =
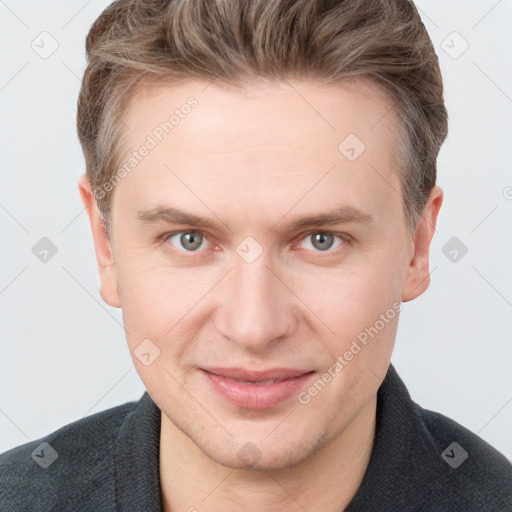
(136, 459)
(390, 475)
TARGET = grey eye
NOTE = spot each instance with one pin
(322, 241)
(189, 240)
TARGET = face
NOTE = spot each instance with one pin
(263, 231)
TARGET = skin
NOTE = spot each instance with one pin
(257, 159)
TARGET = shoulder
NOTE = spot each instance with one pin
(424, 461)
(465, 469)
(75, 455)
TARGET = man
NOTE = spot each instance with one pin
(261, 189)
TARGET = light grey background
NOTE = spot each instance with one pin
(63, 353)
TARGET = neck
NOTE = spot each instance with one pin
(326, 481)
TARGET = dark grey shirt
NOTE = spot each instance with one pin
(106, 462)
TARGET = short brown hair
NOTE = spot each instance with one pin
(234, 41)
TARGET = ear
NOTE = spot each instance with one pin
(417, 278)
(108, 290)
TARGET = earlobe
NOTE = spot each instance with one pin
(106, 265)
(417, 277)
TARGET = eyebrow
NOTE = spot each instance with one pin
(170, 215)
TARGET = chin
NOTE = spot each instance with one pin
(261, 456)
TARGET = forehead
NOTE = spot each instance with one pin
(262, 142)
(304, 113)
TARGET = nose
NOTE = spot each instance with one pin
(256, 307)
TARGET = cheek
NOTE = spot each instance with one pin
(359, 292)
(153, 296)
(157, 308)
(360, 305)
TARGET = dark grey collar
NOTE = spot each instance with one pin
(136, 459)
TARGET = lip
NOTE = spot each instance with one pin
(255, 392)
(256, 375)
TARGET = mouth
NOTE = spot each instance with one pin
(251, 389)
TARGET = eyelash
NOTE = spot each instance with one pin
(344, 238)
